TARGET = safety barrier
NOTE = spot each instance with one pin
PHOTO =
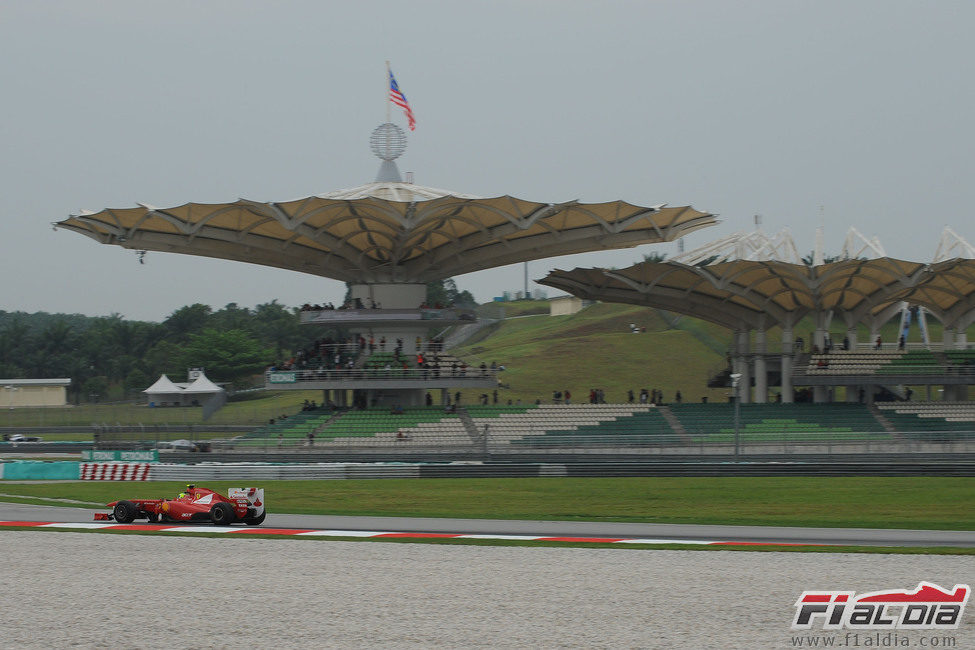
(114, 471)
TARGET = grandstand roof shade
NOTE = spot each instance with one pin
(949, 292)
(387, 232)
(761, 294)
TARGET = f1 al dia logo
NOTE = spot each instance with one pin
(926, 608)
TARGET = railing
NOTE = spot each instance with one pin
(638, 445)
(284, 377)
(380, 315)
(885, 370)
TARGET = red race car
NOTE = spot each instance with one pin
(244, 505)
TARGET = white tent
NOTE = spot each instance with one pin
(164, 392)
(202, 386)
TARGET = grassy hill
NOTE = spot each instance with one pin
(595, 349)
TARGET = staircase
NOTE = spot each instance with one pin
(882, 419)
(674, 423)
(477, 437)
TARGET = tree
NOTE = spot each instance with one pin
(231, 355)
(187, 320)
(445, 292)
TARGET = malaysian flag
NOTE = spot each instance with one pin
(397, 97)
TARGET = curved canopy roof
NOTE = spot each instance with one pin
(760, 294)
(387, 232)
(949, 293)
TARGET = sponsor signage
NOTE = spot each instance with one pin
(97, 456)
(283, 377)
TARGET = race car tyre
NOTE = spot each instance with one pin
(125, 512)
(256, 521)
(222, 514)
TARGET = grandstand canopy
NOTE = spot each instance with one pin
(747, 294)
(948, 292)
(387, 232)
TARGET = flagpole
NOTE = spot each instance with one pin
(388, 101)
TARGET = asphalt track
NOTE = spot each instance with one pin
(661, 532)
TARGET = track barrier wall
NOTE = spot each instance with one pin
(39, 470)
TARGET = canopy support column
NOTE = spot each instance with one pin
(743, 365)
(788, 353)
(761, 371)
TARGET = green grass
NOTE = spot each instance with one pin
(862, 502)
(595, 349)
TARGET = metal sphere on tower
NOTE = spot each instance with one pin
(388, 141)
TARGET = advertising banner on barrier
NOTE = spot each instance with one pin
(39, 470)
(96, 456)
(283, 377)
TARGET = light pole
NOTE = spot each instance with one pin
(735, 380)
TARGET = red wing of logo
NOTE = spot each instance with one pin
(926, 592)
(929, 606)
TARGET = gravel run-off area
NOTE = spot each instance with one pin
(90, 590)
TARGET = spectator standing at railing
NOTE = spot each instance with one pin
(901, 342)
(629, 396)
(877, 343)
(382, 344)
(567, 396)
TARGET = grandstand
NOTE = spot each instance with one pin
(572, 424)
(581, 426)
(922, 419)
(768, 422)
(850, 363)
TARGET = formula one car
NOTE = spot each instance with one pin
(195, 504)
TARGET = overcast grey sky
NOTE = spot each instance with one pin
(829, 112)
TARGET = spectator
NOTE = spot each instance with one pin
(877, 343)
(677, 397)
(901, 342)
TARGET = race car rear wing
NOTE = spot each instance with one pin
(254, 496)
